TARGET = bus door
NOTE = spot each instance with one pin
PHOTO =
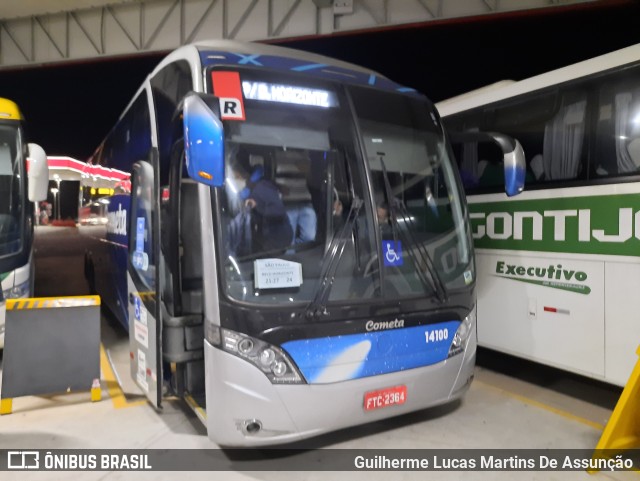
(145, 327)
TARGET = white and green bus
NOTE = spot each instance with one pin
(566, 253)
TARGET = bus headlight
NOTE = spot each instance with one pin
(462, 334)
(21, 290)
(279, 368)
(271, 360)
(267, 357)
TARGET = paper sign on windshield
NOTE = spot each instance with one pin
(277, 274)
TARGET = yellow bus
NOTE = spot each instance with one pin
(17, 192)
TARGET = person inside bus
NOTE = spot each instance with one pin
(384, 219)
(270, 230)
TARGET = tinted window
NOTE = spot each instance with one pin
(169, 86)
(130, 140)
(553, 128)
(617, 142)
(11, 193)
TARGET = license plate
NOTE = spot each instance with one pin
(391, 396)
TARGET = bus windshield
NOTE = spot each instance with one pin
(338, 194)
(11, 188)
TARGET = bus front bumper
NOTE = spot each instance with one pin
(245, 409)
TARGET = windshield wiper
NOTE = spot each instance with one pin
(332, 259)
(425, 257)
(417, 251)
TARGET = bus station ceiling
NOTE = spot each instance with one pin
(71, 104)
(36, 32)
(28, 8)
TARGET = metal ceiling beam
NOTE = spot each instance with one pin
(275, 32)
(136, 45)
(241, 21)
(72, 15)
(437, 13)
(163, 21)
(153, 25)
(201, 22)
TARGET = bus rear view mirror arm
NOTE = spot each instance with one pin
(512, 156)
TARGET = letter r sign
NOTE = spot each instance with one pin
(226, 86)
(231, 109)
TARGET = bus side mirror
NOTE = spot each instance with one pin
(38, 173)
(203, 141)
(515, 166)
(512, 156)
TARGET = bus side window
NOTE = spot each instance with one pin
(168, 87)
(564, 139)
(552, 128)
(490, 165)
(466, 154)
(618, 129)
(9, 196)
(525, 120)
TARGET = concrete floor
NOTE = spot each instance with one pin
(511, 404)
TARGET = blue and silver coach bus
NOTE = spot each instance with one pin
(365, 311)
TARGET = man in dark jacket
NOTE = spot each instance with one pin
(270, 228)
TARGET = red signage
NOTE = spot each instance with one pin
(226, 86)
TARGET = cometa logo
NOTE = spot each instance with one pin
(553, 276)
(378, 326)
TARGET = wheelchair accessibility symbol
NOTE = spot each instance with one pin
(392, 252)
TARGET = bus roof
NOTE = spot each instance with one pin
(273, 57)
(500, 91)
(251, 49)
(497, 86)
(9, 110)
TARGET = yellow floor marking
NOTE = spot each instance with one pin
(6, 406)
(115, 392)
(201, 413)
(546, 407)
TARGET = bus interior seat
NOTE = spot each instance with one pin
(292, 182)
(490, 173)
(191, 255)
(537, 167)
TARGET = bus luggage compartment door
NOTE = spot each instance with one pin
(543, 308)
